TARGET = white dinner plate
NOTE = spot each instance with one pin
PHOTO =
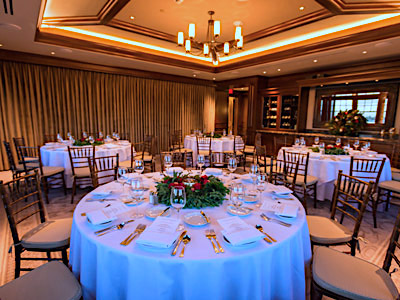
(238, 211)
(195, 219)
(155, 211)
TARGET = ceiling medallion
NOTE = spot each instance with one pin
(211, 47)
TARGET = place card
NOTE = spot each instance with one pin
(281, 209)
(238, 232)
(106, 214)
(161, 234)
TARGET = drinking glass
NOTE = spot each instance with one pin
(296, 142)
(139, 166)
(178, 201)
(137, 195)
(262, 178)
(100, 135)
(254, 169)
(322, 147)
(69, 135)
(367, 145)
(356, 144)
(224, 133)
(59, 138)
(338, 141)
(302, 142)
(91, 140)
(168, 161)
(84, 134)
(237, 195)
(201, 161)
(232, 165)
(316, 141)
(122, 179)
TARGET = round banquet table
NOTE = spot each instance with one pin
(56, 155)
(222, 144)
(326, 169)
(107, 270)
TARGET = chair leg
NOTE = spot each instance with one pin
(48, 255)
(17, 262)
(316, 294)
(305, 199)
(64, 257)
(315, 195)
(374, 209)
(73, 190)
(45, 189)
(387, 200)
(64, 184)
(353, 245)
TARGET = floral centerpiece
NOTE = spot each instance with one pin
(201, 191)
(215, 136)
(86, 142)
(332, 150)
(348, 122)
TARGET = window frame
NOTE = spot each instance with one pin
(327, 92)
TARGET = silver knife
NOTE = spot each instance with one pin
(112, 227)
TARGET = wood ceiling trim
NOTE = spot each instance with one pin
(344, 41)
(110, 10)
(291, 24)
(8, 55)
(72, 21)
(343, 7)
(87, 45)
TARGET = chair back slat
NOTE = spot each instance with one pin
(218, 159)
(264, 160)
(30, 157)
(80, 156)
(104, 169)
(351, 197)
(10, 156)
(203, 144)
(367, 169)
(18, 141)
(238, 144)
(393, 246)
(295, 163)
(26, 187)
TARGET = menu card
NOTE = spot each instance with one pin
(281, 209)
(106, 214)
(238, 232)
(161, 234)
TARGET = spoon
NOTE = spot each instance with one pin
(260, 228)
(186, 239)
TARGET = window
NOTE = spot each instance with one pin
(374, 104)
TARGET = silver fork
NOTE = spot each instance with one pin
(275, 220)
(212, 233)
(139, 229)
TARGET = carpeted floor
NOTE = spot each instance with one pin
(374, 250)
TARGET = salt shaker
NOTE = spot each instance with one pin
(153, 198)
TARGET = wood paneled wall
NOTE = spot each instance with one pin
(36, 99)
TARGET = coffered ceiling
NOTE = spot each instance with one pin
(142, 34)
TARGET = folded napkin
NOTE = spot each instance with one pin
(213, 171)
(278, 189)
(161, 234)
(238, 232)
(100, 195)
(106, 214)
(281, 209)
(170, 171)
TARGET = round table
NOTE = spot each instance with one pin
(108, 270)
(326, 169)
(56, 155)
(222, 144)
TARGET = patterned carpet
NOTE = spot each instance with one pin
(373, 250)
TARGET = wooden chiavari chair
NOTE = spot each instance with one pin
(296, 177)
(18, 141)
(263, 159)
(179, 159)
(350, 199)
(104, 169)
(80, 166)
(22, 201)
(16, 169)
(203, 145)
(368, 169)
(129, 163)
(219, 159)
(175, 145)
(30, 157)
(144, 151)
(249, 150)
(341, 276)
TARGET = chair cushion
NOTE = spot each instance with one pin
(391, 185)
(82, 172)
(300, 180)
(351, 277)
(50, 171)
(395, 176)
(395, 170)
(47, 235)
(126, 163)
(327, 231)
(249, 149)
(204, 152)
(50, 281)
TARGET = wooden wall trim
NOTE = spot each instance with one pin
(344, 7)
(74, 64)
(111, 9)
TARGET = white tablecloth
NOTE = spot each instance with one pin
(218, 145)
(326, 169)
(108, 270)
(57, 156)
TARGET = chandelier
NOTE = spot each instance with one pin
(211, 47)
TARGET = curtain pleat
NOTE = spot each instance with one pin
(37, 100)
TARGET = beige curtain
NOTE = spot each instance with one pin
(37, 100)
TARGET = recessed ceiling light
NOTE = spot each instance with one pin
(279, 70)
(376, 80)
(52, 53)
(301, 7)
(265, 72)
(1, 45)
(194, 75)
(132, 17)
(315, 60)
(322, 85)
(364, 52)
(347, 83)
(213, 78)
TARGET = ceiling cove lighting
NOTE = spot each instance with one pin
(210, 47)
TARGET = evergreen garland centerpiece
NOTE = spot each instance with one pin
(348, 122)
(201, 191)
(86, 142)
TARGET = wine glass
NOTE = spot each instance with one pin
(84, 134)
(338, 142)
(139, 166)
(367, 146)
(117, 137)
(101, 135)
(91, 140)
(322, 147)
(237, 195)
(262, 178)
(168, 161)
(137, 193)
(59, 138)
(122, 179)
(356, 144)
(178, 201)
(254, 169)
(232, 165)
(296, 142)
(316, 141)
(201, 161)
(69, 135)
(302, 141)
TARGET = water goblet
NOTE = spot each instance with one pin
(178, 201)
(316, 141)
(137, 195)
(101, 135)
(237, 195)
(59, 138)
(254, 169)
(122, 179)
(338, 142)
(84, 134)
(91, 140)
(356, 144)
(201, 161)
(296, 142)
(232, 165)
(168, 161)
(139, 166)
(322, 147)
(367, 146)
